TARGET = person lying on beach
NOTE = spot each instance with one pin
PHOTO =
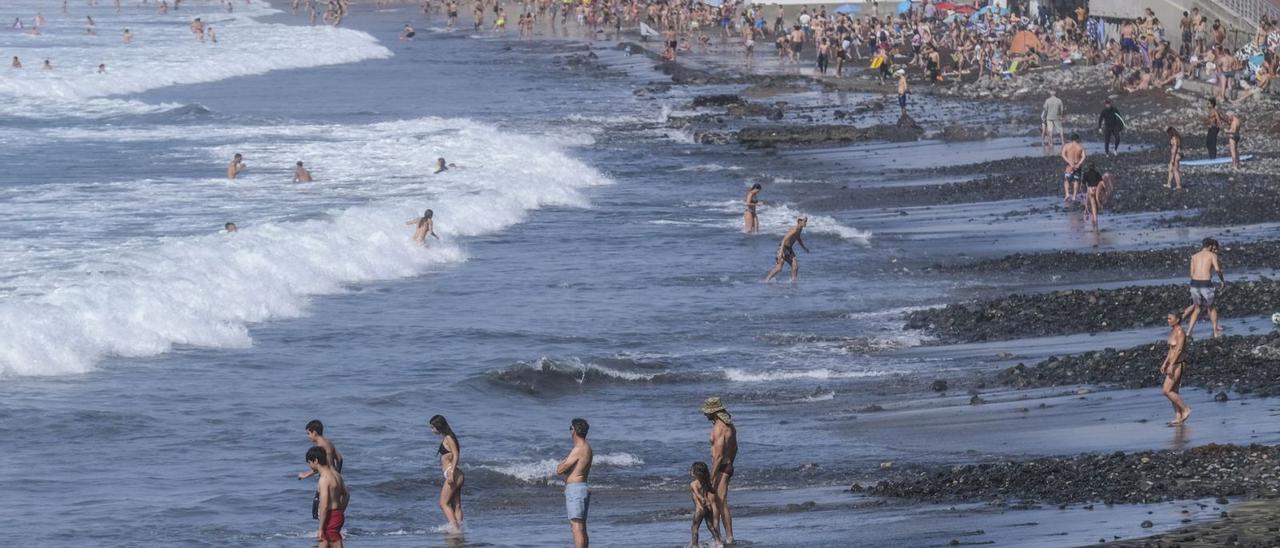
(1173, 366)
(706, 504)
(425, 226)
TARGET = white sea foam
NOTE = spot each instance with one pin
(163, 53)
(546, 469)
(78, 292)
(742, 375)
(778, 218)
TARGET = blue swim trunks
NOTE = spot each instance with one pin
(577, 500)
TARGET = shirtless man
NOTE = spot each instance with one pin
(1203, 265)
(230, 227)
(750, 221)
(787, 255)
(724, 450)
(426, 227)
(333, 496)
(1233, 140)
(1073, 154)
(1173, 366)
(197, 28)
(300, 174)
(1213, 121)
(236, 167)
(1051, 116)
(1093, 193)
(577, 494)
(128, 36)
(315, 433)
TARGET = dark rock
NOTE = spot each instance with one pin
(1220, 396)
(938, 385)
(721, 100)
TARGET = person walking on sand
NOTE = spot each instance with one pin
(425, 227)
(1173, 366)
(1175, 159)
(450, 454)
(786, 253)
(1051, 116)
(236, 167)
(332, 493)
(1073, 154)
(1203, 294)
(1110, 123)
(750, 221)
(577, 493)
(300, 174)
(706, 504)
(724, 451)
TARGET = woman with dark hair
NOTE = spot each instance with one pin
(450, 454)
(1175, 158)
(706, 504)
(1173, 366)
(425, 226)
(751, 222)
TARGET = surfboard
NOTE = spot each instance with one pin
(1215, 161)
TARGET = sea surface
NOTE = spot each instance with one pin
(156, 373)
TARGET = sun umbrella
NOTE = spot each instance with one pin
(1024, 40)
(849, 9)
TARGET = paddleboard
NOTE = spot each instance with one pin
(1215, 161)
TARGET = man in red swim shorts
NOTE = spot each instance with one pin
(333, 499)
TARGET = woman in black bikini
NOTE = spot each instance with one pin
(1173, 366)
(450, 453)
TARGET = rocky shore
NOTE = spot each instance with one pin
(1251, 524)
(1243, 364)
(1115, 478)
(1082, 311)
(1166, 261)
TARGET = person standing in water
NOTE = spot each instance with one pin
(333, 496)
(442, 166)
(426, 226)
(750, 221)
(706, 504)
(1173, 366)
(300, 174)
(1175, 159)
(902, 91)
(1073, 154)
(315, 433)
(1203, 294)
(450, 454)
(1092, 193)
(577, 493)
(786, 253)
(724, 451)
(236, 167)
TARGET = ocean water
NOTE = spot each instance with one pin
(156, 373)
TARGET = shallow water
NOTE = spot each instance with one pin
(155, 374)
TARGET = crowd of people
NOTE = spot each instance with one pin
(708, 488)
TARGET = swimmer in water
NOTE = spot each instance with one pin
(441, 166)
(47, 65)
(213, 36)
(128, 36)
(425, 226)
(236, 167)
(750, 221)
(16, 63)
(230, 227)
(300, 174)
(408, 33)
(102, 68)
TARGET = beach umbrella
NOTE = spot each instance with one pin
(849, 9)
(904, 6)
(713, 2)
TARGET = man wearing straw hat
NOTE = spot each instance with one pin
(724, 449)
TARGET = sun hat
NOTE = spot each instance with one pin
(712, 406)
